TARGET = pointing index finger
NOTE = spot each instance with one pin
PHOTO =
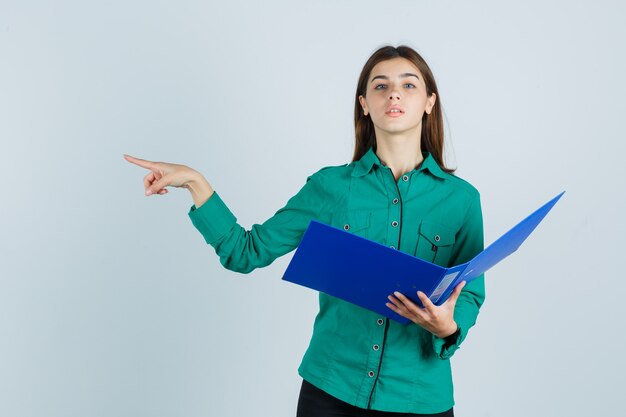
(141, 162)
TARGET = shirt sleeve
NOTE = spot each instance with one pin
(469, 242)
(242, 250)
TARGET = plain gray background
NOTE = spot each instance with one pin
(111, 303)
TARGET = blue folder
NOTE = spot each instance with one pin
(364, 272)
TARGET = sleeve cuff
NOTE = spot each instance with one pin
(213, 218)
(446, 347)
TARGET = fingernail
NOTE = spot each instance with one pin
(148, 192)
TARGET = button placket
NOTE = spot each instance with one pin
(395, 210)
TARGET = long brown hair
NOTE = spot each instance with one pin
(432, 124)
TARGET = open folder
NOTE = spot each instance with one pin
(364, 272)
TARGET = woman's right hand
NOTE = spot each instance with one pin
(163, 174)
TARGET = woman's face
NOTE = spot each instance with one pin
(396, 97)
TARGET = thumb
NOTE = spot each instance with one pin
(457, 291)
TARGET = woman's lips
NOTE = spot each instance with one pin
(394, 114)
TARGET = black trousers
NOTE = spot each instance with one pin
(314, 402)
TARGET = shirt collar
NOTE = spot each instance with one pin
(364, 165)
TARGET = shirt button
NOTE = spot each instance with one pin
(375, 347)
(394, 223)
(370, 374)
(405, 178)
(394, 201)
(437, 238)
(380, 322)
(346, 227)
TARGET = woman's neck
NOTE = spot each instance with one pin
(400, 154)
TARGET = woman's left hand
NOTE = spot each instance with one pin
(439, 320)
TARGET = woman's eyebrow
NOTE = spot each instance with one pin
(406, 74)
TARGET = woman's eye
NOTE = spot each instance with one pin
(384, 86)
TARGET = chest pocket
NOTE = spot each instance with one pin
(357, 223)
(434, 243)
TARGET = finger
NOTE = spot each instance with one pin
(394, 307)
(397, 303)
(163, 191)
(400, 299)
(141, 162)
(428, 305)
(148, 180)
(398, 310)
(397, 307)
(158, 186)
(457, 291)
(408, 304)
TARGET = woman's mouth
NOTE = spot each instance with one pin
(394, 112)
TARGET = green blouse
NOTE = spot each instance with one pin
(355, 354)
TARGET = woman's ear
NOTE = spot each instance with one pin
(430, 103)
(363, 105)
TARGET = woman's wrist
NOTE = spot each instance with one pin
(448, 331)
(199, 188)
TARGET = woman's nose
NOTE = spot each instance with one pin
(394, 93)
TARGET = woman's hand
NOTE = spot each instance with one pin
(439, 320)
(163, 174)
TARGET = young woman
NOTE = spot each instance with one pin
(396, 191)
